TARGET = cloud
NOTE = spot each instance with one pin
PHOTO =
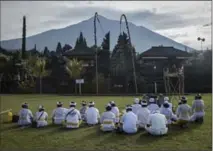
(169, 20)
(177, 18)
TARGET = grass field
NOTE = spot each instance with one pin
(196, 137)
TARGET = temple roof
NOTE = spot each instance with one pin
(162, 51)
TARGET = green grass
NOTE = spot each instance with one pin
(196, 137)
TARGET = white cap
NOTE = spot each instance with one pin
(112, 102)
(92, 103)
(155, 111)
(59, 103)
(108, 105)
(128, 107)
(73, 103)
(25, 103)
(40, 107)
(151, 100)
(143, 103)
(166, 98)
(136, 100)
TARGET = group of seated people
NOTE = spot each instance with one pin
(153, 115)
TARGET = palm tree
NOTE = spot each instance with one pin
(3, 63)
(38, 70)
(74, 68)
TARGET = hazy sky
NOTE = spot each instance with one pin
(182, 21)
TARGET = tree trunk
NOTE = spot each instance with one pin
(40, 84)
(1, 75)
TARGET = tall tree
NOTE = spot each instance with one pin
(24, 39)
(3, 65)
(74, 68)
(39, 70)
(66, 48)
(46, 51)
(59, 48)
(104, 56)
(81, 42)
(121, 63)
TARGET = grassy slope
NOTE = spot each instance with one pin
(196, 137)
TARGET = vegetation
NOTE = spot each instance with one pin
(18, 74)
(196, 137)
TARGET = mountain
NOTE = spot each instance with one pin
(142, 38)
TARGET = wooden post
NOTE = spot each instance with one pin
(80, 88)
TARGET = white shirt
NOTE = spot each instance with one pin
(115, 110)
(130, 122)
(143, 114)
(108, 120)
(72, 117)
(135, 108)
(59, 115)
(153, 107)
(168, 114)
(92, 115)
(157, 121)
(198, 106)
(183, 112)
(25, 116)
(43, 118)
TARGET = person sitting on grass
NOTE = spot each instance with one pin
(198, 109)
(157, 124)
(115, 110)
(83, 110)
(58, 114)
(183, 113)
(136, 106)
(160, 100)
(143, 114)
(166, 110)
(25, 116)
(166, 100)
(92, 115)
(129, 121)
(72, 117)
(152, 105)
(108, 119)
(41, 117)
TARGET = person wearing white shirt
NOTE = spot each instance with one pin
(165, 110)
(143, 114)
(183, 113)
(72, 117)
(83, 110)
(108, 119)
(41, 117)
(92, 115)
(25, 116)
(166, 100)
(160, 100)
(157, 124)
(152, 105)
(116, 111)
(58, 114)
(198, 109)
(129, 121)
(136, 106)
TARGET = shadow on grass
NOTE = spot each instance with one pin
(60, 128)
(173, 131)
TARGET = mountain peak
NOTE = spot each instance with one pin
(142, 38)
